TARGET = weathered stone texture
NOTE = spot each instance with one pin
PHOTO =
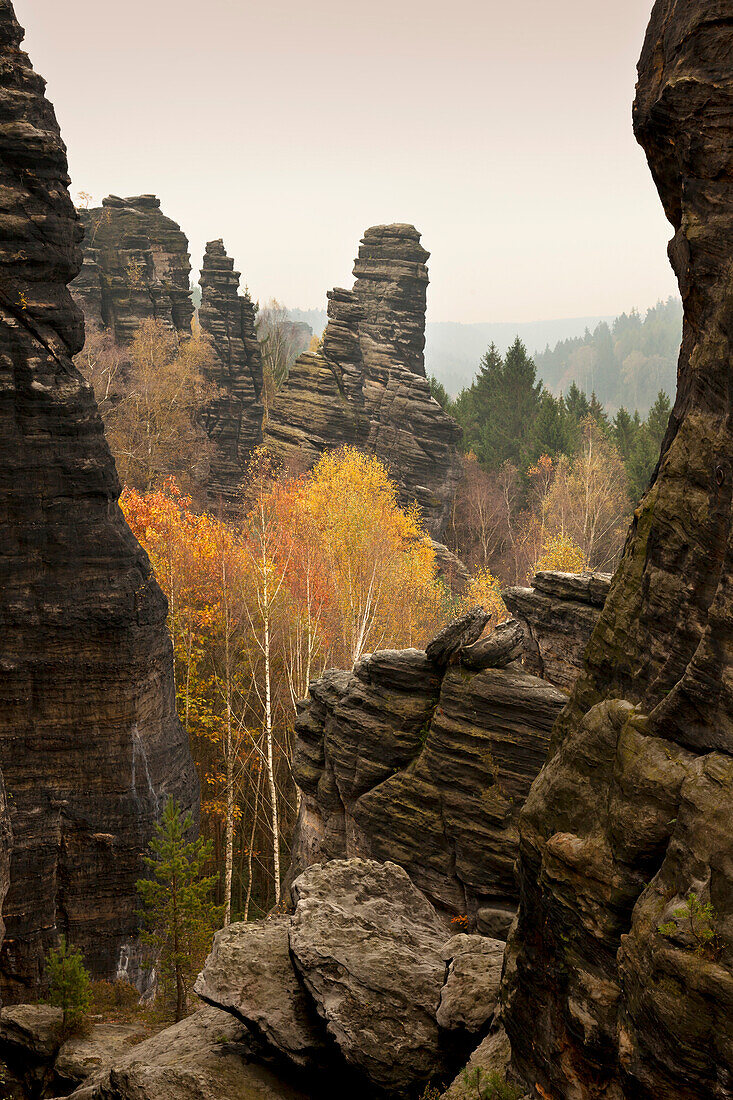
(425, 765)
(631, 815)
(366, 387)
(234, 420)
(351, 989)
(89, 740)
(136, 267)
(559, 614)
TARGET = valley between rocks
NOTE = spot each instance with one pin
(503, 838)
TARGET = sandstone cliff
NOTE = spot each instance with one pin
(426, 763)
(366, 387)
(136, 266)
(234, 421)
(619, 979)
(89, 741)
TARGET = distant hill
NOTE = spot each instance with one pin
(453, 350)
(626, 362)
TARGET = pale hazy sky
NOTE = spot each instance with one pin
(502, 130)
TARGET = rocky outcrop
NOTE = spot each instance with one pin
(234, 421)
(389, 996)
(366, 387)
(90, 744)
(136, 266)
(427, 763)
(205, 1057)
(619, 978)
(559, 614)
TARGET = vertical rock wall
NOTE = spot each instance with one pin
(630, 820)
(89, 740)
(234, 421)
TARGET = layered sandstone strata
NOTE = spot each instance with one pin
(366, 386)
(136, 266)
(89, 740)
(234, 421)
(619, 979)
(425, 760)
(559, 613)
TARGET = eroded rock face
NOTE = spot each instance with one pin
(89, 740)
(427, 766)
(559, 614)
(234, 421)
(136, 266)
(367, 386)
(352, 988)
(631, 816)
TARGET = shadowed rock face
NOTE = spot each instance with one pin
(632, 814)
(234, 421)
(136, 267)
(89, 741)
(367, 386)
(427, 766)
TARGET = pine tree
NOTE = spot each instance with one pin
(576, 403)
(624, 430)
(178, 913)
(68, 981)
(506, 400)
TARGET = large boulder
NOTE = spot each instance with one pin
(367, 945)
(205, 1057)
(249, 973)
(471, 989)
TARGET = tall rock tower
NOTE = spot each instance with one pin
(233, 421)
(367, 385)
(90, 743)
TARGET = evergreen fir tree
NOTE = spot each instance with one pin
(178, 914)
(625, 429)
(69, 987)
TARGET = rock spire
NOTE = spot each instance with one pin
(89, 740)
(367, 387)
(234, 421)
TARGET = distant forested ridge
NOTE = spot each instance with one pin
(625, 363)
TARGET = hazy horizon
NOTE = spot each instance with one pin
(503, 135)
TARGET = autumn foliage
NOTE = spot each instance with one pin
(317, 571)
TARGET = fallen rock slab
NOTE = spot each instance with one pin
(368, 946)
(249, 973)
(457, 634)
(504, 645)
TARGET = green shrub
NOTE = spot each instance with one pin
(489, 1086)
(700, 918)
(68, 980)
